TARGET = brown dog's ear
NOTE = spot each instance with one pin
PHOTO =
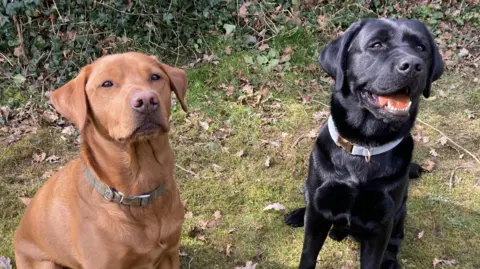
(70, 100)
(178, 81)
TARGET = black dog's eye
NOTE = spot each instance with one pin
(155, 77)
(420, 47)
(107, 84)
(377, 45)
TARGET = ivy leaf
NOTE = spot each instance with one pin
(229, 28)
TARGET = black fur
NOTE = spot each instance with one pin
(346, 195)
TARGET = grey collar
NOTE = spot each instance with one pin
(356, 149)
(111, 194)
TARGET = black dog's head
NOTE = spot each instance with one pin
(383, 66)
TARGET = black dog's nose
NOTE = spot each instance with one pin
(144, 102)
(410, 65)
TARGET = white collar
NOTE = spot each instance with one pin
(359, 150)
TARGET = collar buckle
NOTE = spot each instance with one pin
(345, 144)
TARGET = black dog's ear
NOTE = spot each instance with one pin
(436, 64)
(333, 58)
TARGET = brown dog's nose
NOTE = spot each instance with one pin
(410, 65)
(144, 102)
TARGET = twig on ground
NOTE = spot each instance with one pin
(452, 175)
(318, 102)
(186, 170)
(449, 139)
(298, 141)
(6, 58)
(20, 38)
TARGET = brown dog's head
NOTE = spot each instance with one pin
(125, 96)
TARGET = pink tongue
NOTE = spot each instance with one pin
(398, 100)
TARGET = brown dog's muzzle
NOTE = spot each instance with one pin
(144, 102)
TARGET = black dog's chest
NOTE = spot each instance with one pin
(353, 211)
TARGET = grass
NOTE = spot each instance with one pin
(241, 186)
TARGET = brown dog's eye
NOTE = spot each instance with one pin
(377, 45)
(155, 77)
(107, 84)
(420, 47)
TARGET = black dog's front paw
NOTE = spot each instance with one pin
(296, 218)
(390, 264)
(415, 171)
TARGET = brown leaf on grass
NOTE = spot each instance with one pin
(25, 201)
(4, 112)
(208, 58)
(319, 115)
(240, 153)
(228, 251)
(48, 174)
(288, 50)
(184, 203)
(5, 263)
(69, 130)
(276, 207)
(228, 50)
(263, 47)
(428, 165)
(433, 153)
(267, 162)
(242, 11)
(204, 125)
(249, 265)
(189, 215)
(39, 157)
(443, 140)
(212, 223)
(53, 159)
(231, 231)
(443, 262)
(50, 116)
(420, 234)
(248, 89)
(196, 232)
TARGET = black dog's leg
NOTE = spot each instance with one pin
(296, 218)
(390, 257)
(316, 231)
(373, 249)
(415, 170)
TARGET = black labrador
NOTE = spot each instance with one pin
(359, 169)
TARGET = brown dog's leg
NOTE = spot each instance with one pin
(171, 260)
(24, 262)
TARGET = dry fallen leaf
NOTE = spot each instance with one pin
(428, 165)
(5, 263)
(69, 130)
(232, 230)
(433, 153)
(228, 50)
(443, 140)
(52, 159)
(263, 47)
(196, 232)
(204, 125)
(249, 265)
(275, 206)
(38, 158)
(420, 234)
(25, 201)
(240, 153)
(443, 262)
(228, 251)
(319, 115)
(248, 89)
(189, 215)
(48, 174)
(267, 162)
(50, 116)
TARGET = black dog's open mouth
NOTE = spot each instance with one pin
(397, 103)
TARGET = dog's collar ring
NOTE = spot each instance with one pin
(112, 195)
(358, 150)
